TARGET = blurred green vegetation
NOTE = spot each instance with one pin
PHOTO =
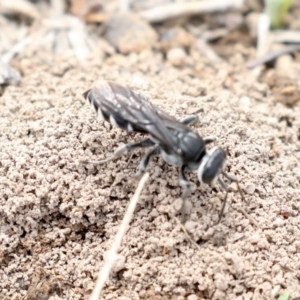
(276, 10)
(284, 296)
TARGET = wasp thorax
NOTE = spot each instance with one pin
(193, 148)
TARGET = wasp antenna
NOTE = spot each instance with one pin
(225, 187)
(223, 206)
(241, 193)
(234, 179)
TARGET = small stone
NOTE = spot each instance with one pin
(178, 204)
(128, 33)
(192, 297)
(139, 81)
(284, 89)
(176, 37)
(250, 189)
(118, 263)
(283, 64)
(278, 222)
(290, 95)
(188, 207)
(221, 284)
(245, 103)
(263, 244)
(275, 291)
(285, 211)
(228, 255)
(177, 57)
(219, 239)
(254, 239)
(191, 226)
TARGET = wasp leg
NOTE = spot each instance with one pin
(209, 139)
(190, 120)
(225, 187)
(145, 162)
(122, 150)
(184, 182)
(186, 190)
(234, 179)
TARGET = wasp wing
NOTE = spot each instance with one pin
(132, 112)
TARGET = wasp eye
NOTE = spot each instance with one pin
(211, 166)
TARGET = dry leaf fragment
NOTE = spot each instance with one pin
(8, 75)
(23, 7)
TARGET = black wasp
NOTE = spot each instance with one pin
(174, 140)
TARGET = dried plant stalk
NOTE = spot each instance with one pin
(118, 239)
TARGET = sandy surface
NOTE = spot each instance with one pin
(58, 218)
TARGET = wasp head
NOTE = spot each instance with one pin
(212, 165)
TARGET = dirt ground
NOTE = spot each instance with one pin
(58, 217)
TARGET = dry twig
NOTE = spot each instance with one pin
(286, 36)
(207, 51)
(124, 6)
(7, 57)
(271, 56)
(263, 35)
(178, 9)
(118, 239)
(23, 7)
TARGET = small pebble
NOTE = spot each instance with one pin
(245, 103)
(228, 255)
(177, 57)
(128, 33)
(176, 37)
(284, 64)
(285, 211)
(119, 261)
(191, 226)
(219, 239)
(263, 244)
(178, 204)
(278, 222)
(250, 189)
(254, 239)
